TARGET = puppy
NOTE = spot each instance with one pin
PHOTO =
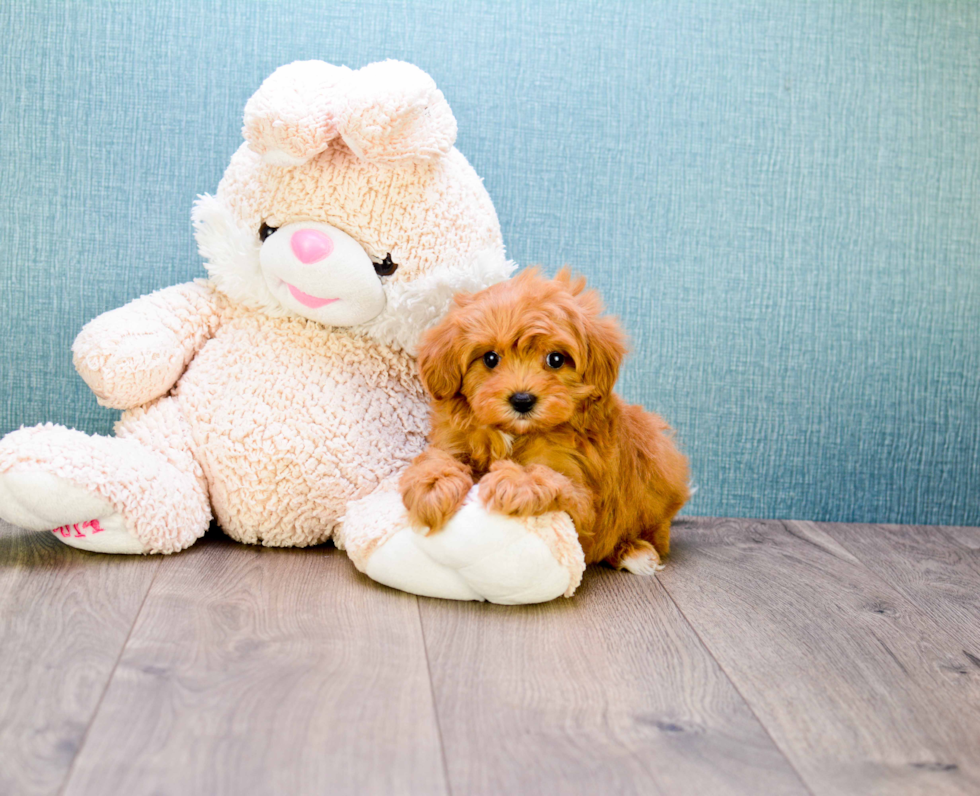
(521, 376)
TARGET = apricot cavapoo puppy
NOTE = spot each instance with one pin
(522, 375)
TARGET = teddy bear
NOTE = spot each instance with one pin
(280, 395)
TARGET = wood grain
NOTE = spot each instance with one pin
(608, 693)
(853, 681)
(267, 671)
(924, 565)
(849, 652)
(968, 537)
(64, 617)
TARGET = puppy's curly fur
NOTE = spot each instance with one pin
(521, 377)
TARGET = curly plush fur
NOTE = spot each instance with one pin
(521, 376)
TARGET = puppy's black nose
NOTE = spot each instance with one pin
(523, 402)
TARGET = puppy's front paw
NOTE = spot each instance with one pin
(431, 508)
(638, 557)
(433, 491)
(520, 491)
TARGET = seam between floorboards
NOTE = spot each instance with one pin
(748, 705)
(432, 693)
(108, 682)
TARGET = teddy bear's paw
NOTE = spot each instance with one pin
(39, 501)
(133, 497)
(478, 555)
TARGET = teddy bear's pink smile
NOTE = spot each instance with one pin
(313, 302)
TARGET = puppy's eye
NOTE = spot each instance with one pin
(491, 359)
(265, 231)
(386, 267)
(555, 360)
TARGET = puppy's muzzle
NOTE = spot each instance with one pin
(523, 402)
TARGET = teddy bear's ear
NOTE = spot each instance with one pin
(294, 114)
(395, 114)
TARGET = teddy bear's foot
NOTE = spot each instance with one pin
(478, 555)
(102, 494)
(39, 501)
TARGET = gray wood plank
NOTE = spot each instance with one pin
(610, 692)
(254, 670)
(969, 537)
(968, 542)
(929, 569)
(64, 617)
(851, 679)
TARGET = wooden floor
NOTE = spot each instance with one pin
(769, 658)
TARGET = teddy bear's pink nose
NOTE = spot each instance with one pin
(310, 245)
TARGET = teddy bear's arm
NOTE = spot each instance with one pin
(131, 355)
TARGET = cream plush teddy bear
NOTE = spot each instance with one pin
(283, 387)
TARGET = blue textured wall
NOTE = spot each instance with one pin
(782, 200)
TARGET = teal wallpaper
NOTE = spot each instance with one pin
(780, 199)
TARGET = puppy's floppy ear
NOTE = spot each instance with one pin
(606, 344)
(442, 357)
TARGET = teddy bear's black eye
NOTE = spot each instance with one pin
(265, 231)
(386, 267)
(555, 360)
(491, 359)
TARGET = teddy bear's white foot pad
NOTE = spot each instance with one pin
(479, 555)
(56, 478)
(40, 501)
